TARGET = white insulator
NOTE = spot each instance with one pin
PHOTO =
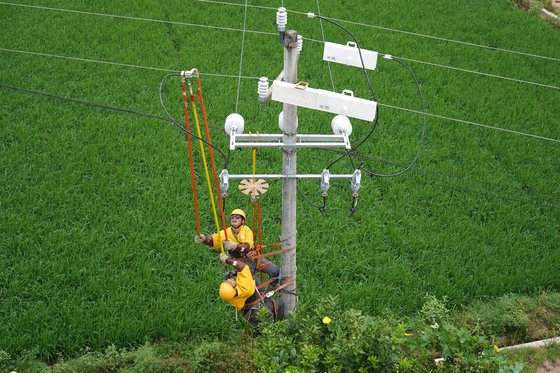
(281, 18)
(236, 120)
(340, 124)
(299, 43)
(263, 88)
(281, 121)
(310, 15)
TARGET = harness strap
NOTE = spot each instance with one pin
(274, 253)
(252, 300)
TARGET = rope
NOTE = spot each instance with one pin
(205, 167)
(211, 153)
(191, 162)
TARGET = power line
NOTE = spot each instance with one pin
(442, 178)
(118, 63)
(169, 118)
(481, 73)
(84, 102)
(323, 37)
(270, 33)
(134, 18)
(403, 32)
(472, 123)
(241, 57)
(256, 78)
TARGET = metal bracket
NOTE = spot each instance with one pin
(356, 181)
(224, 181)
(275, 141)
(232, 137)
(325, 180)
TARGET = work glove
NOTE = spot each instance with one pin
(199, 238)
(223, 258)
(229, 246)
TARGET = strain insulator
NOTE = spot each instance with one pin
(281, 19)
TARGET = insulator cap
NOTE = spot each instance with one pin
(341, 123)
(281, 18)
(281, 121)
(236, 120)
(299, 43)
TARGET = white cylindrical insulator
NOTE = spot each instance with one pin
(341, 123)
(236, 120)
(281, 121)
(263, 88)
(299, 43)
(281, 18)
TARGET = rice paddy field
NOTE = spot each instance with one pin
(96, 205)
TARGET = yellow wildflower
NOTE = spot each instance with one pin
(326, 320)
(496, 348)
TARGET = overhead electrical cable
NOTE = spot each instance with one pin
(422, 134)
(87, 103)
(400, 31)
(480, 73)
(474, 124)
(323, 37)
(272, 34)
(549, 200)
(257, 78)
(134, 18)
(241, 58)
(370, 86)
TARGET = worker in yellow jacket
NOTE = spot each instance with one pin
(240, 244)
(240, 291)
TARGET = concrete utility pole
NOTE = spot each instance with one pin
(289, 172)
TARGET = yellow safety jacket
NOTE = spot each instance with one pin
(245, 286)
(245, 235)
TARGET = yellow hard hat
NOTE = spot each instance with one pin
(227, 292)
(239, 212)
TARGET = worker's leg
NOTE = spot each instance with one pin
(271, 270)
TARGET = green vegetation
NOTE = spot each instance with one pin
(96, 206)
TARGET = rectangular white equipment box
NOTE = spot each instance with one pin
(349, 55)
(338, 103)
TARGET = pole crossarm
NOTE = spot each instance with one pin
(276, 141)
(282, 176)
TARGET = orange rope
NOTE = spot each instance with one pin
(212, 162)
(191, 163)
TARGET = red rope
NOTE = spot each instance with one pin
(191, 163)
(216, 184)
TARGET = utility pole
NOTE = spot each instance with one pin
(291, 93)
(289, 172)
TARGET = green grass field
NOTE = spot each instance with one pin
(96, 210)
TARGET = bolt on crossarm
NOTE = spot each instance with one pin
(289, 168)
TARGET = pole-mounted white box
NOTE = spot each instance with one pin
(338, 103)
(349, 55)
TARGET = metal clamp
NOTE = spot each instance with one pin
(224, 182)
